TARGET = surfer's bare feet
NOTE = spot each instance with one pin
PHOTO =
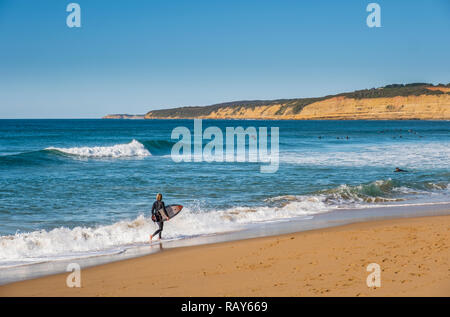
(151, 238)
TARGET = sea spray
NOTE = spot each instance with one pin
(134, 148)
(195, 220)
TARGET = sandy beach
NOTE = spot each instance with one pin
(413, 254)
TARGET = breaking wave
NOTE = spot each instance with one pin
(159, 147)
(52, 154)
(63, 242)
(364, 195)
(132, 149)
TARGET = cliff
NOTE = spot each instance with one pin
(393, 102)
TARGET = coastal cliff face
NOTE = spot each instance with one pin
(393, 102)
(398, 108)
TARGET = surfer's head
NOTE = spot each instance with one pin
(158, 196)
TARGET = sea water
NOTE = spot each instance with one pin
(76, 188)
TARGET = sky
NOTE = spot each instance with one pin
(134, 56)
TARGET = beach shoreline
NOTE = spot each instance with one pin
(412, 254)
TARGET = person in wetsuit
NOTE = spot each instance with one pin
(159, 205)
(399, 170)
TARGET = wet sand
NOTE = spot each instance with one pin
(413, 254)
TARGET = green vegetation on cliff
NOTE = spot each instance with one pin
(297, 104)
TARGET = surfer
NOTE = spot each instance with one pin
(160, 213)
(399, 170)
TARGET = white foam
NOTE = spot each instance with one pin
(425, 155)
(134, 148)
(64, 243)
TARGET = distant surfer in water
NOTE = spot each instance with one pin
(160, 213)
(399, 170)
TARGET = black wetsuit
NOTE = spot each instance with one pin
(157, 205)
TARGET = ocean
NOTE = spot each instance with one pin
(73, 189)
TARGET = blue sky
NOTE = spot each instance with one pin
(137, 55)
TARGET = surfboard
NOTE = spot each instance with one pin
(172, 211)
